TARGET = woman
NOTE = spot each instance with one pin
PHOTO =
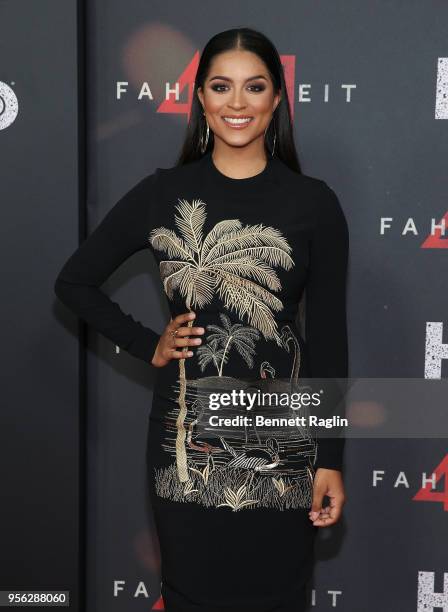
(240, 235)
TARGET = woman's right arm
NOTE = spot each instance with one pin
(122, 232)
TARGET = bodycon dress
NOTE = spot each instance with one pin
(230, 499)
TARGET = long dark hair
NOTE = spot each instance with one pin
(245, 39)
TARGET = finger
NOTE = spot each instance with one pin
(180, 319)
(335, 513)
(180, 354)
(324, 513)
(189, 331)
(186, 341)
(177, 324)
(316, 506)
(323, 522)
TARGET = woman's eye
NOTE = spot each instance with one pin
(256, 88)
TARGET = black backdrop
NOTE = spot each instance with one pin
(369, 88)
(40, 195)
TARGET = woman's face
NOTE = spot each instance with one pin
(238, 86)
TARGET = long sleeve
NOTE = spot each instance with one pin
(122, 232)
(325, 319)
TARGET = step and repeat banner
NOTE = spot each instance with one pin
(368, 85)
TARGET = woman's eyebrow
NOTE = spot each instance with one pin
(224, 78)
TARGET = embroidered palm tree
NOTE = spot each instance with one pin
(210, 353)
(235, 262)
(242, 337)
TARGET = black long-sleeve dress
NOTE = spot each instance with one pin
(230, 502)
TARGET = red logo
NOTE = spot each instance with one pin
(435, 241)
(425, 493)
(159, 605)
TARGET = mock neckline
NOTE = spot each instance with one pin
(238, 183)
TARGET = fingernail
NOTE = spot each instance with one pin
(190, 353)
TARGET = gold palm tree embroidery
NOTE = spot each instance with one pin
(232, 260)
(242, 337)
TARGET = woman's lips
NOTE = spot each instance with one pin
(240, 125)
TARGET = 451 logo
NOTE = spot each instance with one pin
(9, 106)
(426, 493)
(430, 491)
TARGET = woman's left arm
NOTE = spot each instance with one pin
(326, 340)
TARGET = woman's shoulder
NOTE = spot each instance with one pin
(177, 172)
(315, 190)
(301, 179)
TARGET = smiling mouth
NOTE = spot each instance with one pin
(237, 122)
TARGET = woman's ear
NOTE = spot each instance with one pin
(200, 96)
(278, 102)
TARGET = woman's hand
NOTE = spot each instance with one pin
(170, 346)
(329, 483)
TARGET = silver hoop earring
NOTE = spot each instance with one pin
(203, 141)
